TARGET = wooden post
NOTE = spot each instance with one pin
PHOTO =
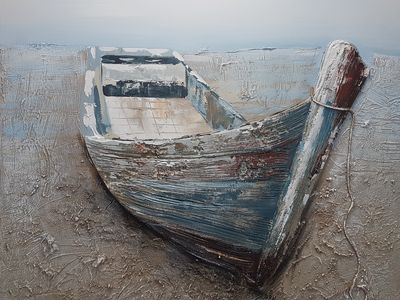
(340, 79)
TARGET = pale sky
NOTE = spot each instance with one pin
(193, 25)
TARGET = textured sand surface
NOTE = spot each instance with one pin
(62, 236)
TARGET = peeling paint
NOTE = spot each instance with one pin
(89, 76)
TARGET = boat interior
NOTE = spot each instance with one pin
(154, 94)
(159, 98)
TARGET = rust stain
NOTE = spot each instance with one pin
(354, 75)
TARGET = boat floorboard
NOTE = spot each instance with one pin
(153, 118)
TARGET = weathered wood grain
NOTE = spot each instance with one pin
(200, 185)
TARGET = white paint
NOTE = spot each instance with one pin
(228, 63)
(152, 52)
(224, 64)
(144, 72)
(159, 52)
(89, 119)
(93, 52)
(305, 199)
(198, 77)
(132, 68)
(365, 123)
(299, 172)
(89, 76)
(102, 139)
(178, 56)
(107, 49)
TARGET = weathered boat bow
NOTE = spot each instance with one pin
(341, 76)
(182, 160)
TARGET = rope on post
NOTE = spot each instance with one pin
(350, 194)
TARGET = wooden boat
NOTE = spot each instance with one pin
(182, 160)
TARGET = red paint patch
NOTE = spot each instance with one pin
(352, 80)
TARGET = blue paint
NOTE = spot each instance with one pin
(100, 125)
(17, 130)
(219, 209)
(8, 106)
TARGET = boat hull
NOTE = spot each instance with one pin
(233, 197)
(215, 194)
